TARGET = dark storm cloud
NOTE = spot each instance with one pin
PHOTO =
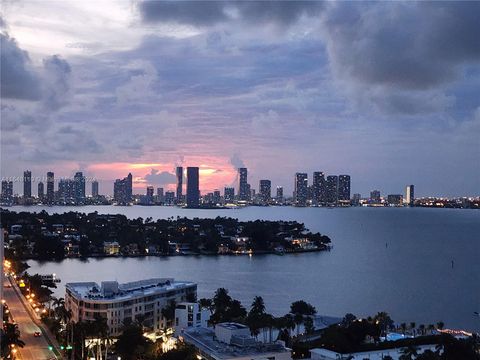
(403, 45)
(58, 73)
(160, 178)
(187, 12)
(18, 79)
(205, 13)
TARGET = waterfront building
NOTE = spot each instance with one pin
(265, 190)
(190, 315)
(149, 195)
(128, 302)
(169, 198)
(344, 189)
(94, 188)
(229, 194)
(193, 187)
(27, 184)
(375, 197)
(410, 195)
(66, 190)
(79, 187)
(111, 248)
(160, 197)
(40, 190)
(332, 189)
(217, 198)
(179, 189)
(356, 199)
(7, 192)
(122, 190)
(394, 200)
(318, 185)
(243, 188)
(301, 188)
(279, 194)
(50, 187)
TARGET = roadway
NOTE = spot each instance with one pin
(36, 348)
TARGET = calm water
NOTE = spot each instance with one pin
(397, 260)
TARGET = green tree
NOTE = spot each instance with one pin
(10, 335)
(132, 345)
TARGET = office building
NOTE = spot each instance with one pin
(344, 189)
(229, 194)
(94, 188)
(123, 303)
(301, 188)
(79, 187)
(243, 187)
(179, 192)
(41, 190)
(410, 195)
(265, 190)
(193, 187)
(50, 187)
(279, 194)
(375, 197)
(332, 189)
(318, 188)
(27, 184)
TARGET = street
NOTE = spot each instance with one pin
(36, 348)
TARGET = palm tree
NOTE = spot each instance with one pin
(440, 325)
(298, 319)
(403, 326)
(10, 337)
(421, 327)
(412, 327)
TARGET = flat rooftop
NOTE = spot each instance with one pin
(204, 340)
(112, 290)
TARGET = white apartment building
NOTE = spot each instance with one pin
(119, 303)
(189, 314)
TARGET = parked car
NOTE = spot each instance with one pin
(37, 334)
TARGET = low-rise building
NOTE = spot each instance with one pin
(188, 315)
(232, 341)
(122, 303)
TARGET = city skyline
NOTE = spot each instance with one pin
(158, 90)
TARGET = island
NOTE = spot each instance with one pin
(73, 234)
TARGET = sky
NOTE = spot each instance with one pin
(388, 92)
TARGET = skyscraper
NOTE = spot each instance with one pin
(193, 190)
(410, 195)
(243, 188)
(79, 187)
(7, 191)
(41, 191)
(179, 193)
(27, 184)
(344, 188)
(160, 197)
(216, 196)
(265, 190)
(318, 188)
(229, 194)
(279, 195)
(301, 188)
(149, 196)
(122, 190)
(66, 190)
(50, 187)
(94, 188)
(332, 189)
